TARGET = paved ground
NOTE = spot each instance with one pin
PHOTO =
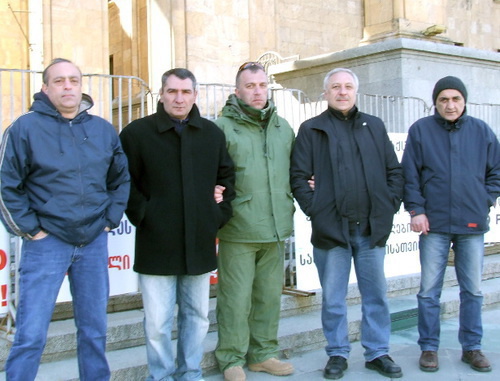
(404, 350)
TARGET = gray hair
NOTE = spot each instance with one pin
(55, 61)
(341, 70)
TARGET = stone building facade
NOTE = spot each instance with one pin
(144, 38)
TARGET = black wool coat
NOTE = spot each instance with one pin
(172, 192)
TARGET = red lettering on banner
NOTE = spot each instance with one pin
(213, 277)
(3, 259)
(126, 262)
(4, 295)
(119, 262)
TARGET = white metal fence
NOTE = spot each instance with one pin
(122, 99)
(119, 99)
(398, 113)
(211, 98)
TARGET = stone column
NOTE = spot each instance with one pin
(160, 39)
(416, 19)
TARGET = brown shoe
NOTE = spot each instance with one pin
(235, 373)
(477, 360)
(429, 361)
(272, 366)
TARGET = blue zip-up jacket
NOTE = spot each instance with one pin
(66, 177)
(452, 173)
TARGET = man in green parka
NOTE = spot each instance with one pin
(251, 245)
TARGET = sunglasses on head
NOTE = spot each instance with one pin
(248, 65)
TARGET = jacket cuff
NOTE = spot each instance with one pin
(416, 211)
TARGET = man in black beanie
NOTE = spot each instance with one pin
(449, 83)
(451, 166)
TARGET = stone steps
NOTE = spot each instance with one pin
(300, 326)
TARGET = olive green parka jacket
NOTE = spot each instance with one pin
(263, 208)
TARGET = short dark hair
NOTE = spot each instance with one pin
(55, 61)
(180, 73)
(254, 67)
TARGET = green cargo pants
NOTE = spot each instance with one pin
(250, 283)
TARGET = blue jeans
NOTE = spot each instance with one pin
(434, 251)
(160, 294)
(334, 266)
(43, 265)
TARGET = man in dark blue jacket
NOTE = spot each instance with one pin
(358, 186)
(451, 166)
(64, 184)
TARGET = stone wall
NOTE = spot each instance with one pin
(399, 67)
(14, 43)
(469, 23)
(77, 30)
(212, 38)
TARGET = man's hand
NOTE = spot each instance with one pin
(40, 235)
(311, 182)
(420, 224)
(218, 193)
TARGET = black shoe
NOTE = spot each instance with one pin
(385, 366)
(335, 367)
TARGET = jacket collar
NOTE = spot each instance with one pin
(328, 117)
(450, 126)
(233, 109)
(43, 105)
(353, 113)
(165, 123)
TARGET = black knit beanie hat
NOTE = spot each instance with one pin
(449, 82)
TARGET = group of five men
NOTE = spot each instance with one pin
(66, 178)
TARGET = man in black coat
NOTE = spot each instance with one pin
(177, 160)
(356, 188)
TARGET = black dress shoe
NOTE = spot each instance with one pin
(385, 366)
(335, 367)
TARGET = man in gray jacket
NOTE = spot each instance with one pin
(64, 185)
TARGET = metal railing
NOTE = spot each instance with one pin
(119, 99)
(122, 99)
(490, 113)
(211, 98)
(398, 113)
